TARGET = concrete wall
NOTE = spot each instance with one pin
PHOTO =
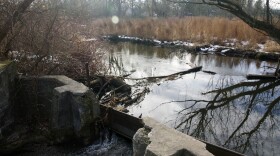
(156, 139)
(68, 108)
(51, 109)
(7, 83)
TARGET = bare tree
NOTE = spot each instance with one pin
(239, 9)
(46, 38)
(268, 14)
(8, 25)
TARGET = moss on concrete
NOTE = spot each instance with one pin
(3, 64)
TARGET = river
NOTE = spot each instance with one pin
(225, 109)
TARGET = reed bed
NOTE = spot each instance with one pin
(201, 30)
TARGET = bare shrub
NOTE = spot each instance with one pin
(48, 40)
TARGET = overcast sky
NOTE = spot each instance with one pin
(274, 4)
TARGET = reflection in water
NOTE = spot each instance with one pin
(239, 116)
(146, 57)
(224, 109)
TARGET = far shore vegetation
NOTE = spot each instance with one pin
(195, 29)
(58, 37)
(198, 30)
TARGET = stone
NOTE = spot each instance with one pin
(162, 140)
(50, 108)
(70, 109)
(141, 141)
(7, 84)
(74, 110)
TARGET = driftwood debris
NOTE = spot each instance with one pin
(272, 76)
(192, 70)
(209, 72)
(261, 77)
(112, 91)
(119, 93)
(103, 84)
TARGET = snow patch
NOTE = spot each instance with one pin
(225, 50)
(261, 47)
(212, 49)
(188, 44)
(157, 41)
(215, 46)
(244, 43)
(204, 49)
(89, 39)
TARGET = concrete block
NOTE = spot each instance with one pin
(70, 108)
(7, 84)
(74, 108)
(163, 140)
(141, 141)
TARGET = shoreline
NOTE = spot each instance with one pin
(198, 49)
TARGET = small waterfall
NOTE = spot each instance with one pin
(109, 144)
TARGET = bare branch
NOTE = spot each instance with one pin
(236, 9)
(16, 16)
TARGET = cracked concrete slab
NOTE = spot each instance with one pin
(156, 139)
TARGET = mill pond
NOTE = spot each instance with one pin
(91, 77)
(217, 104)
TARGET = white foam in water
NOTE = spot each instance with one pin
(109, 145)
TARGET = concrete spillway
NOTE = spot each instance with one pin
(70, 111)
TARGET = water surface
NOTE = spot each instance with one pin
(225, 109)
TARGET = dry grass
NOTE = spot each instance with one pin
(202, 30)
(272, 46)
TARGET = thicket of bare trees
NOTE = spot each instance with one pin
(46, 38)
(46, 28)
(143, 8)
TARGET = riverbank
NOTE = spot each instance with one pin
(194, 29)
(204, 49)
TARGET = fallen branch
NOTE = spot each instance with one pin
(192, 70)
(261, 77)
(209, 72)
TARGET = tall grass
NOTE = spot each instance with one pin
(194, 29)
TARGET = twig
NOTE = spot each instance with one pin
(87, 74)
(52, 69)
(277, 68)
(192, 70)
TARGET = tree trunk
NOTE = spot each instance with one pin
(119, 8)
(8, 25)
(132, 8)
(268, 12)
(236, 9)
